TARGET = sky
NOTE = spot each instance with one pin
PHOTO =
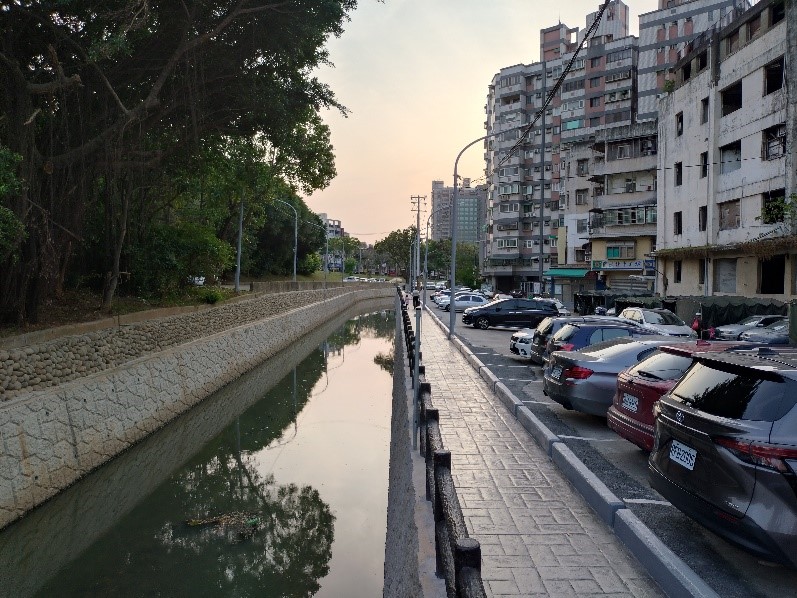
(414, 75)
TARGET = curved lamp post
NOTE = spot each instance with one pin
(295, 233)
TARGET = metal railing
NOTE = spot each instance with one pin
(457, 555)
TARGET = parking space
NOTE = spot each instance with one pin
(623, 468)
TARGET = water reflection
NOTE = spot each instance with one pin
(228, 520)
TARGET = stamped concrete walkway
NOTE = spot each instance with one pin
(538, 535)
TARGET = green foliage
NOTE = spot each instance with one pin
(11, 228)
(467, 264)
(174, 254)
(308, 264)
(209, 295)
(349, 265)
(669, 86)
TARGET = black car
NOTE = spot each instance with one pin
(725, 449)
(517, 313)
(574, 336)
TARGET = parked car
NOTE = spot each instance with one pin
(732, 331)
(640, 386)
(659, 320)
(517, 293)
(586, 380)
(534, 341)
(576, 335)
(509, 312)
(443, 302)
(776, 333)
(466, 300)
(725, 450)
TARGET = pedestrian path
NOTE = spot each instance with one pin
(538, 536)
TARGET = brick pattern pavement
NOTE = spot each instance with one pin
(538, 536)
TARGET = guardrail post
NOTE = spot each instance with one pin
(467, 555)
(441, 460)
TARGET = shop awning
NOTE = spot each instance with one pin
(567, 272)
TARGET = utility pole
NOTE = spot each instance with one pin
(416, 201)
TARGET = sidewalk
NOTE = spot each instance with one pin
(538, 535)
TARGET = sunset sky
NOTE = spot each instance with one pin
(414, 75)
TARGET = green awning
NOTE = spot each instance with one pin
(567, 272)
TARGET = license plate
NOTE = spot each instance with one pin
(683, 455)
(630, 402)
(556, 371)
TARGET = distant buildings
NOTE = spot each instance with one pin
(471, 212)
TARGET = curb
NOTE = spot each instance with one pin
(672, 574)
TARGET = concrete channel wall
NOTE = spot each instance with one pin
(50, 438)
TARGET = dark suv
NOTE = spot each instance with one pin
(518, 313)
(576, 335)
(725, 450)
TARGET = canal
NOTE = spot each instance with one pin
(275, 486)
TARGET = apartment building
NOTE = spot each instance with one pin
(334, 230)
(574, 207)
(726, 163)
(471, 212)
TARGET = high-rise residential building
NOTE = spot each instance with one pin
(573, 208)
(726, 163)
(471, 212)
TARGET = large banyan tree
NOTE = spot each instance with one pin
(102, 101)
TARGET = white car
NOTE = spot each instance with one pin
(466, 300)
(659, 320)
(520, 342)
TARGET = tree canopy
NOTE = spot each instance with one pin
(122, 116)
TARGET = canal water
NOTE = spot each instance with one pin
(275, 486)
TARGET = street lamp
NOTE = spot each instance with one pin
(326, 252)
(295, 234)
(453, 318)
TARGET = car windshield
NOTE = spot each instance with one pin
(736, 395)
(664, 318)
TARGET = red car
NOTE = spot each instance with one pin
(642, 385)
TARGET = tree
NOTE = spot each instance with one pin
(105, 101)
(396, 246)
(467, 264)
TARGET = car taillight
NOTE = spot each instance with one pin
(577, 373)
(765, 455)
(566, 347)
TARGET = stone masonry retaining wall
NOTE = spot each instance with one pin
(54, 362)
(50, 438)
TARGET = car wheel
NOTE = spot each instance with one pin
(483, 323)
(447, 308)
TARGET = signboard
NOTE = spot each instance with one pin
(619, 264)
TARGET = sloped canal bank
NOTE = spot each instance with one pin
(262, 489)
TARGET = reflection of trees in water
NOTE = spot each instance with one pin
(385, 361)
(381, 324)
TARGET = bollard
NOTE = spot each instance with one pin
(467, 553)
(417, 357)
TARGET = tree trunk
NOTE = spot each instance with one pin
(112, 275)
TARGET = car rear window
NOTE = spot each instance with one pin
(544, 327)
(565, 332)
(736, 394)
(662, 366)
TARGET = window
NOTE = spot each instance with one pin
(679, 173)
(582, 167)
(703, 165)
(623, 151)
(732, 42)
(619, 55)
(771, 275)
(701, 271)
(703, 111)
(595, 82)
(677, 267)
(753, 26)
(729, 215)
(702, 218)
(731, 157)
(595, 62)
(620, 251)
(595, 102)
(581, 225)
(773, 76)
(725, 275)
(581, 196)
(553, 241)
(528, 244)
(731, 98)
(506, 243)
(595, 121)
(677, 223)
(773, 142)
(772, 206)
(573, 85)
(702, 61)
(777, 12)
(679, 124)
